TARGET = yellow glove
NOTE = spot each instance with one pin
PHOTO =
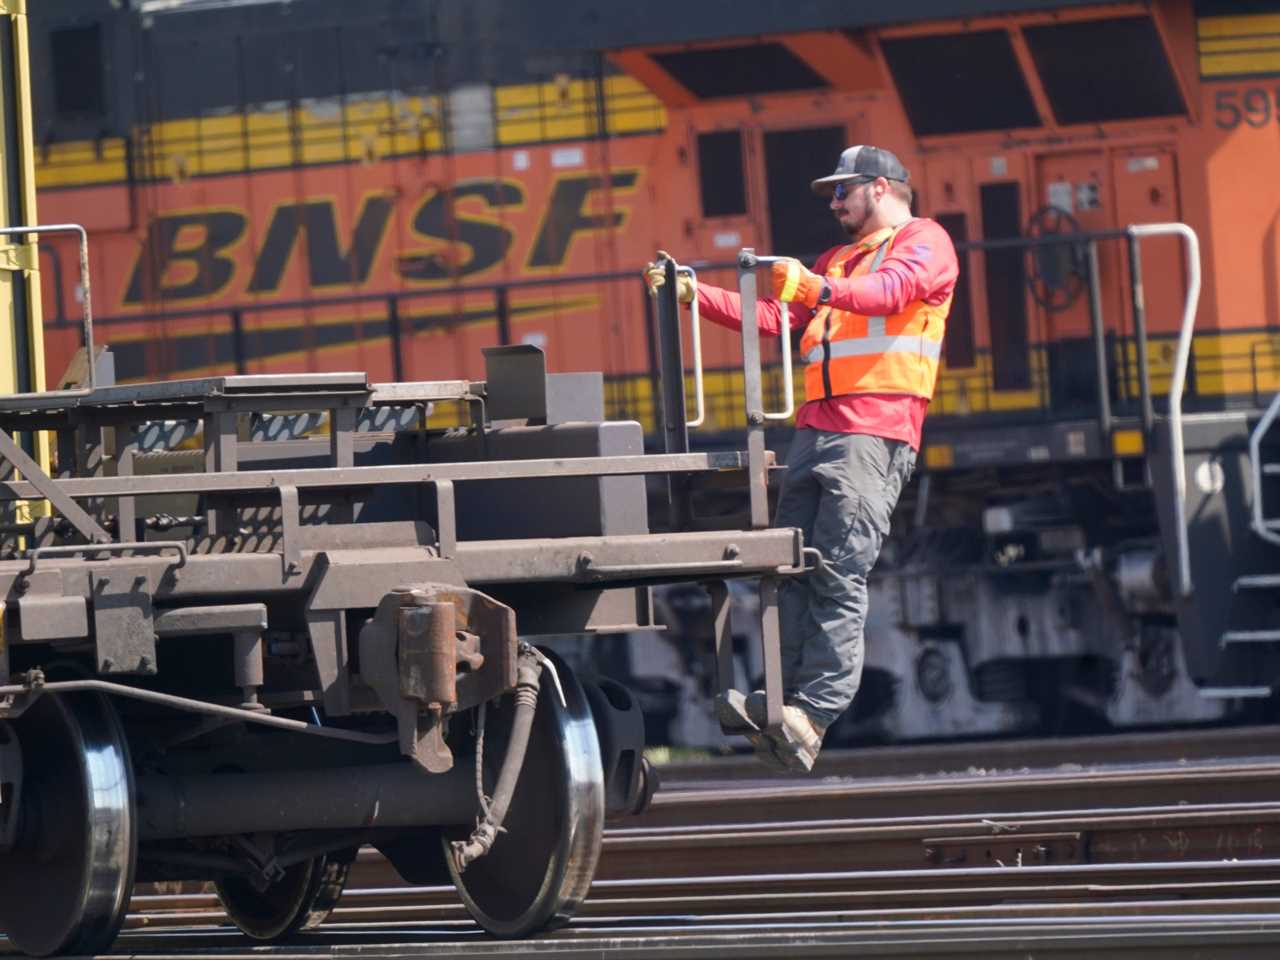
(792, 281)
(655, 275)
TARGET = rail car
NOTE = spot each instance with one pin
(242, 666)
(297, 187)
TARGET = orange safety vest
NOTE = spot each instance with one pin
(847, 352)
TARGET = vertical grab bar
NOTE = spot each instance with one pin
(788, 382)
(747, 260)
(1177, 382)
(699, 395)
(757, 470)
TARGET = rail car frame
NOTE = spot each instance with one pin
(357, 552)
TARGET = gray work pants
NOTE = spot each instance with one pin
(840, 490)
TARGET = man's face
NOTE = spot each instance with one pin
(854, 210)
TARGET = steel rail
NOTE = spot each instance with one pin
(873, 761)
(1238, 937)
(976, 793)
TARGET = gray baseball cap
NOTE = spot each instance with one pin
(859, 162)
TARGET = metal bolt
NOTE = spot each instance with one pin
(107, 664)
(755, 418)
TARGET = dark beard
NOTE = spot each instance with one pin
(854, 228)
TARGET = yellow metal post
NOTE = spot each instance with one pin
(21, 327)
(21, 330)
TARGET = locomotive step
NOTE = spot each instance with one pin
(1250, 636)
(1235, 693)
(1258, 581)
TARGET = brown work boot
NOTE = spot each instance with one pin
(731, 711)
(797, 744)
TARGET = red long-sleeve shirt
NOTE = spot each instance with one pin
(921, 265)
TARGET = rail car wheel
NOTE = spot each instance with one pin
(300, 900)
(65, 883)
(541, 865)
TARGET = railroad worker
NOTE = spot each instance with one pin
(873, 312)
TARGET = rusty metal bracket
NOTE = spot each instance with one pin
(811, 561)
(85, 525)
(123, 618)
(421, 676)
(290, 551)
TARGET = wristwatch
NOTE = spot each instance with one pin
(824, 296)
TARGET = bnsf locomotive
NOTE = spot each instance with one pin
(276, 188)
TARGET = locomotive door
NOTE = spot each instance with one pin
(1146, 190)
(1073, 195)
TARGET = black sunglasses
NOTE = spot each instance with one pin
(845, 187)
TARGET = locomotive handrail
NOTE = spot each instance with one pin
(1177, 383)
(748, 261)
(86, 314)
(1259, 520)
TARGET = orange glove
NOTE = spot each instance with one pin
(792, 281)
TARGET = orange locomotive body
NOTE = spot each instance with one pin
(251, 213)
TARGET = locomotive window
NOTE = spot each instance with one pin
(957, 346)
(720, 175)
(1128, 76)
(78, 81)
(799, 223)
(740, 71)
(960, 83)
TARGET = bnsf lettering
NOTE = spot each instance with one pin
(185, 256)
(189, 255)
(438, 218)
(566, 218)
(327, 264)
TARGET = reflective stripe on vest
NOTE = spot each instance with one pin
(896, 354)
(862, 346)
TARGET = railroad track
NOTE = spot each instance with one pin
(960, 860)
(1138, 931)
(1068, 836)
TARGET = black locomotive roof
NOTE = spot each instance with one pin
(590, 25)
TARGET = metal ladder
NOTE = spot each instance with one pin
(1268, 528)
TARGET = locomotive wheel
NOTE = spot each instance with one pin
(541, 865)
(65, 885)
(300, 900)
